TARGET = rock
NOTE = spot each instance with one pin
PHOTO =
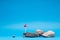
(37, 35)
(49, 34)
(27, 34)
(39, 31)
(30, 34)
(13, 36)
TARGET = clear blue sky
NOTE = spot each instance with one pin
(16, 11)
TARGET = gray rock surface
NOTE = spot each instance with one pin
(31, 34)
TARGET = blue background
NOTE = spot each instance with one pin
(19, 12)
(15, 11)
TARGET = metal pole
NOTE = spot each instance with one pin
(25, 29)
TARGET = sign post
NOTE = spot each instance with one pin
(25, 26)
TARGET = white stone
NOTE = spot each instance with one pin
(39, 31)
(49, 34)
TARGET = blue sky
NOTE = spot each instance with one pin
(18, 11)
